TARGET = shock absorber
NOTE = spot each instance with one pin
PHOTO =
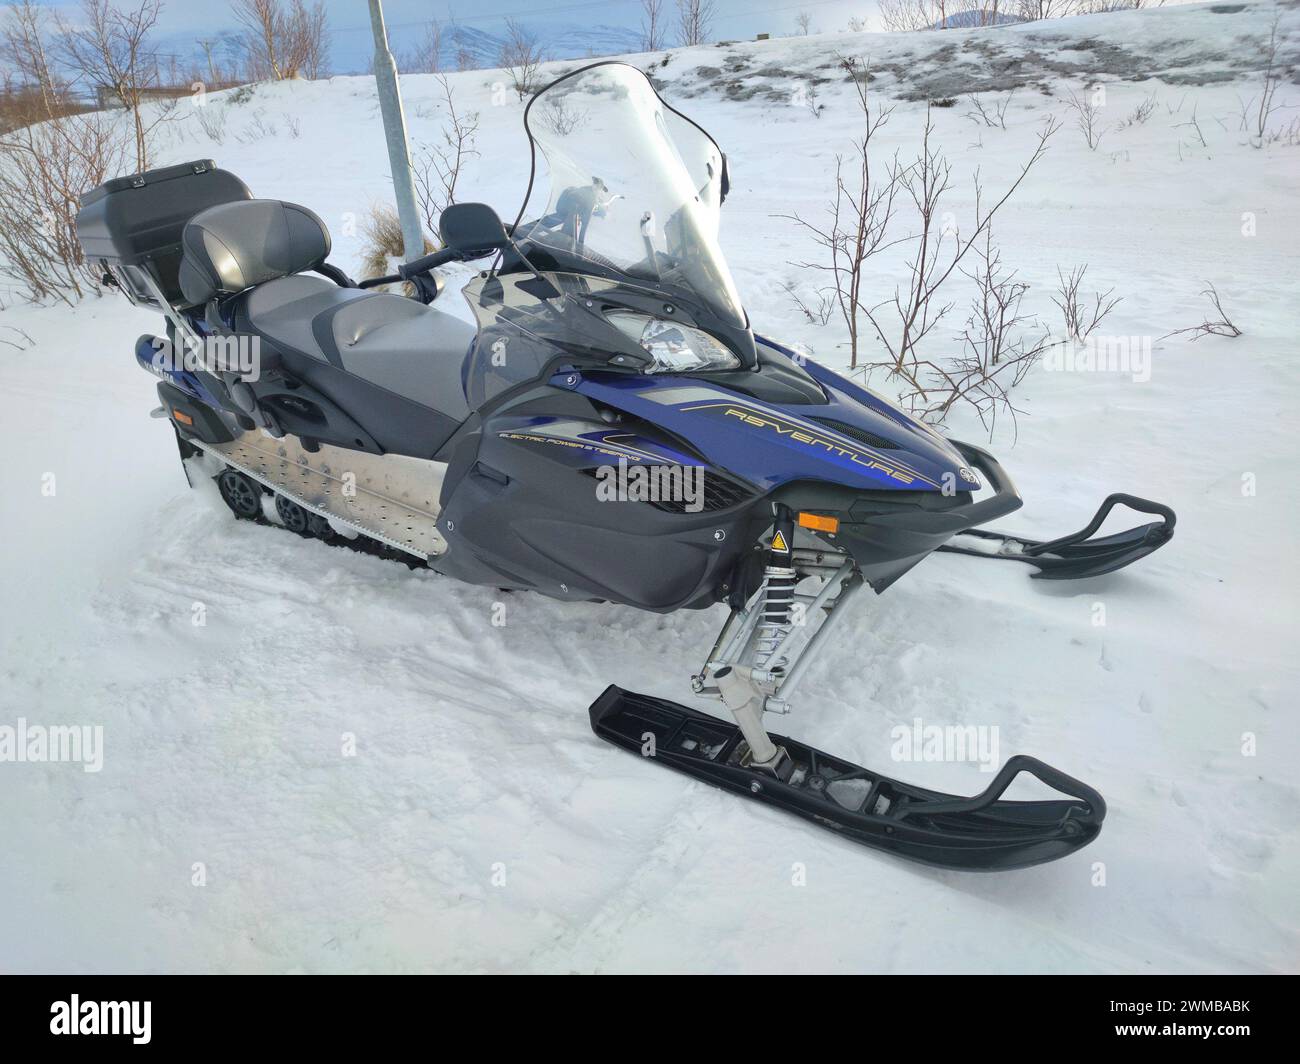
(779, 579)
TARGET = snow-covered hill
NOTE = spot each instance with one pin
(480, 826)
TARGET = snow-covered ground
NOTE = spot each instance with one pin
(480, 825)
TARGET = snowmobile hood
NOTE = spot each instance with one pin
(853, 438)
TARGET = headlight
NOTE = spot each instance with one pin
(675, 348)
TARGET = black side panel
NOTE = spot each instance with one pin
(397, 425)
(193, 418)
(522, 514)
(887, 532)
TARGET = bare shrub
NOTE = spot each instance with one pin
(382, 246)
(521, 58)
(561, 117)
(1037, 10)
(817, 309)
(975, 12)
(309, 34)
(425, 57)
(281, 41)
(1288, 134)
(1139, 115)
(110, 49)
(654, 25)
(1087, 116)
(258, 129)
(1080, 316)
(34, 89)
(44, 169)
(18, 338)
(905, 16)
(695, 21)
(999, 344)
(213, 122)
(1221, 325)
(911, 15)
(917, 309)
(51, 151)
(292, 125)
(1195, 127)
(808, 93)
(858, 228)
(993, 114)
(803, 23)
(1272, 74)
(859, 212)
(436, 167)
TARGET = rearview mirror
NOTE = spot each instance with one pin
(472, 229)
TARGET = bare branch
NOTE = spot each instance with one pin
(1080, 321)
(437, 166)
(1220, 326)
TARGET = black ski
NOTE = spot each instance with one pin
(982, 834)
(1076, 556)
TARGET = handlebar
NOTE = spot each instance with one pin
(407, 270)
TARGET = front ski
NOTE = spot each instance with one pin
(1075, 556)
(982, 834)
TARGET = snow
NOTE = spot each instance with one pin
(480, 825)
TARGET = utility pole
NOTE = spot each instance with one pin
(399, 155)
(212, 67)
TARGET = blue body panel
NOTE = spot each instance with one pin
(774, 444)
(580, 445)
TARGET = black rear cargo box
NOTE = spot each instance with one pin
(134, 224)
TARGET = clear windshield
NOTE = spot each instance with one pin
(635, 188)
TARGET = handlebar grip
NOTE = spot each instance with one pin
(441, 257)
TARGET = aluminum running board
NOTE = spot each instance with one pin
(391, 498)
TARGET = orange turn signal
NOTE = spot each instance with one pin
(819, 522)
(184, 419)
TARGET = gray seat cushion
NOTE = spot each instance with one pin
(233, 246)
(388, 340)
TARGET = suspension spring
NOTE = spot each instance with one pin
(779, 580)
(778, 600)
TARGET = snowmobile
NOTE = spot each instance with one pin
(610, 346)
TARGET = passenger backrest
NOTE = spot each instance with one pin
(233, 246)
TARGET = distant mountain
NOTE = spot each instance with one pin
(351, 49)
(564, 41)
(967, 19)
